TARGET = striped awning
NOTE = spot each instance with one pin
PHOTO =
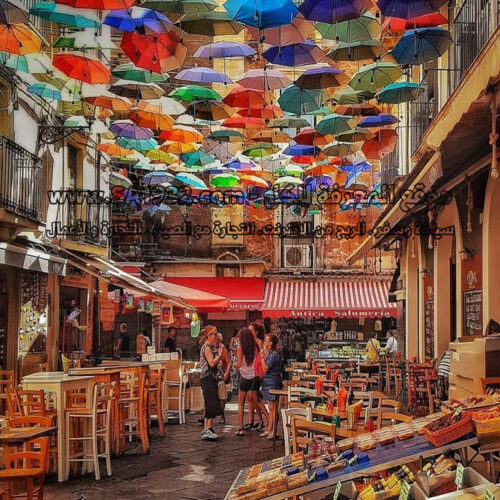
(30, 259)
(336, 299)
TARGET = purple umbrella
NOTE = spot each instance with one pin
(313, 183)
(222, 50)
(336, 11)
(130, 130)
(297, 54)
(321, 78)
(409, 9)
(203, 75)
(139, 19)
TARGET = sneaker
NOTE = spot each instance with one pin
(264, 434)
(256, 427)
(211, 435)
(204, 435)
(222, 420)
(248, 427)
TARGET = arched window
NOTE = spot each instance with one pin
(228, 265)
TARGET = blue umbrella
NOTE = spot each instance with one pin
(223, 50)
(45, 90)
(202, 75)
(334, 11)
(397, 93)
(262, 13)
(409, 9)
(301, 150)
(137, 144)
(296, 54)
(355, 171)
(422, 45)
(157, 178)
(144, 21)
(320, 181)
(191, 180)
(378, 121)
(237, 164)
(158, 209)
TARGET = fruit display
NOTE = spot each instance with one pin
(487, 421)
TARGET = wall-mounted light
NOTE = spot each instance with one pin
(466, 254)
(188, 314)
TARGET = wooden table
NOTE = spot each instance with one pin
(58, 383)
(21, 436)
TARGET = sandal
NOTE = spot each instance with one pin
(239, 432)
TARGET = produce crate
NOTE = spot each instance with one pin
(451, 433)
(483, 427)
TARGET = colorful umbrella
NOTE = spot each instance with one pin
(354, 172)
(163, 105)
(198, 157)
(324, 110)
(267, 112)
(240, 164)
(341, 149)
(203, 75)
(139, 19)
(194, 93)
(181, 6)
(312, 137)
(137, 144)
(316, 170)
(262, 14)
(209, 23)
(129, 130)
(295, 32)
(182, 134)
(224, 181)
(98, 4)
(382, 144)
(300, 102)
(128, 71)
(397, 93)
(190, 180)
(260, 150)
(241, 97)
(317, 182)
(381, 120)
(156, 52)
(37, 63)
(292, 170)
(335, 124)
(289, 122)
(268, 135)
(422, 45)
(397, 25)
(287, 181)
(297, 54)
(253, 180)
(148, 119)
(157, 155)
(210, 110)
(82, 68)
(409, 9)
(301, 150)
(84, 40)
(224, 50)
(226, 136)
(375, 76)
(161, 208)
(62, 14)
(19, 39)
(321, 78)
(355, 135)
(264, 80)
(350, 96)
(12, 14)
(363, 109)
(114, 150)
(356, 51)
(244, 123)
(117, 179)
(45, 90)
(117, 104)
(177, 148)
(334, 11)
(136, 90)
(157, 178)
(308, 160)
(365, 27)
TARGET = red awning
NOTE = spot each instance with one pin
(336, 299)
(243, 293)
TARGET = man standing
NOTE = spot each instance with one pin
(170, 343)
(123, 345)
(391, 347)
(142, 342)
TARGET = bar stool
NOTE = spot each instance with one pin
(99, 426)
(174, 393)
(154, 408)
(6, 382)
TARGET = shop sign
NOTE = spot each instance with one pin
(75, 280)
(245, 306)
(167, 316)
(149, 306)
(156, 307)
(341, 313)
(141, 305)
(129, 301)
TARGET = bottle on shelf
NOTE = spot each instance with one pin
(351, 397)
(342, 399)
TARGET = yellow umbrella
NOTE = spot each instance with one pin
(178, 147)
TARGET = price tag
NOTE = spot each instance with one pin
(457, 411)
(489, 495)
(352, 459)
(339, 487)
(459, 478)
(405, 490)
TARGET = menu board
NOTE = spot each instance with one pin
(473, 314)
(429, 330)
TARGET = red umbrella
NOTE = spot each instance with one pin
(265, 112)
(241, 97)
(308, 160)
(243, 122)
(382, 144)
(397, 25)
(364, 109)
(82, 68)
(312, 137)
(156, 52)
(98, 4)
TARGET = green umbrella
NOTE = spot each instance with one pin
(342, 149)
(300, 101)
(350, 96)
(224, 180)
(62, 14)
(355, 135)
(289, 122)
(129, 71)
(180, 6)
(293, 170)
(209, 23)
(324, 110)
(226, 136)
(198, 157)
(335, 124)
(375, 76)
(194, 93)
(260, 150)
(356, 51)
(117, 179)
(397, 93)
(144, 167)
(363, 28)
(86, 39)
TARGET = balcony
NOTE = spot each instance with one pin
(88, 224)
(390, 167)
(422, 113)
(20, 181)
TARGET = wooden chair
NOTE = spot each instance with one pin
(490, 383)
(296, 392)
(98, 427)
(286, 416)
(392, 418)
(304, 432)
(174, 391)
(360, 386)
(367, 398)
(154, 404)
(28, 466)
(21, 402)
(6, 382)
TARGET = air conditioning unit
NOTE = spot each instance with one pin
(297, 256)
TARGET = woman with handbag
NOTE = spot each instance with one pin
(209, 360)
(246, 358)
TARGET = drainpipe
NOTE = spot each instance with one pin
(494, 133)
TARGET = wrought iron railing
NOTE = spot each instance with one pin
(422, 112)
(88, 223)
(390, 167)
(20, 180)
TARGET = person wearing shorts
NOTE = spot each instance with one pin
(224, 375)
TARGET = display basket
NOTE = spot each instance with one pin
(483, 427)
(450, 433)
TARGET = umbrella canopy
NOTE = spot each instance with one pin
(321, 78)
(409, 9)
(397, 93)
(128, 71)
(351, 96)
(260, 150)
(137, 144)
(382, 144)
(240, 164)
(326, 169)
(210, 110)
(117, 179)
(227, 136)
(267, 112)
(300, 102)
(422, 45)
(177, 148)
(113, 149)
(136, 90)
(375, 76)
(190, 180)
(253, 180)
(194, 93)
(313, 183)
(397, 25)
(148, 119)
(297, 54)
(138, 19)
(157, 155)
(241, 97)
(198, 157)
(203, 75)
(356, 51)
(209, 23)
(244, 123)
(82, 68)
(289, 122)
(262, 14)
(342, 149)
(181, 134)
(294, 32)
(301, 150)
(224, 50)
(293, 170)
(37, 63)
(156, 52)
(354, 135)
(84, 40)
(312, 137)
(335, 124)
(98, 4)
(334, 11)
(163, 105)
(128, 129)
(268, 135)
(363, 109)
(11, 14)
(224, 180)
(62, 14)
(264, 80)
(19, 39)
(157, 178)
(381, 120)
(181, 6)
(287, 181)
(363, 28)
(308, 160)
(45, 90)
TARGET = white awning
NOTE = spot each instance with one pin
(31, 260)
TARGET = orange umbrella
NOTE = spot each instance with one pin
(19, 39)
(382, 144)
(311, 137)
(268, 135)
(184, 135)
(114, 149)
(320, 170)
(178, 148)
(268, 112)
(152, 120)
(253, 180)
(108, 102)
(243, 122)
(82, 68)
(308, 160)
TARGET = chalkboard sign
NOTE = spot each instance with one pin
(429, 330)
(473, 313)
